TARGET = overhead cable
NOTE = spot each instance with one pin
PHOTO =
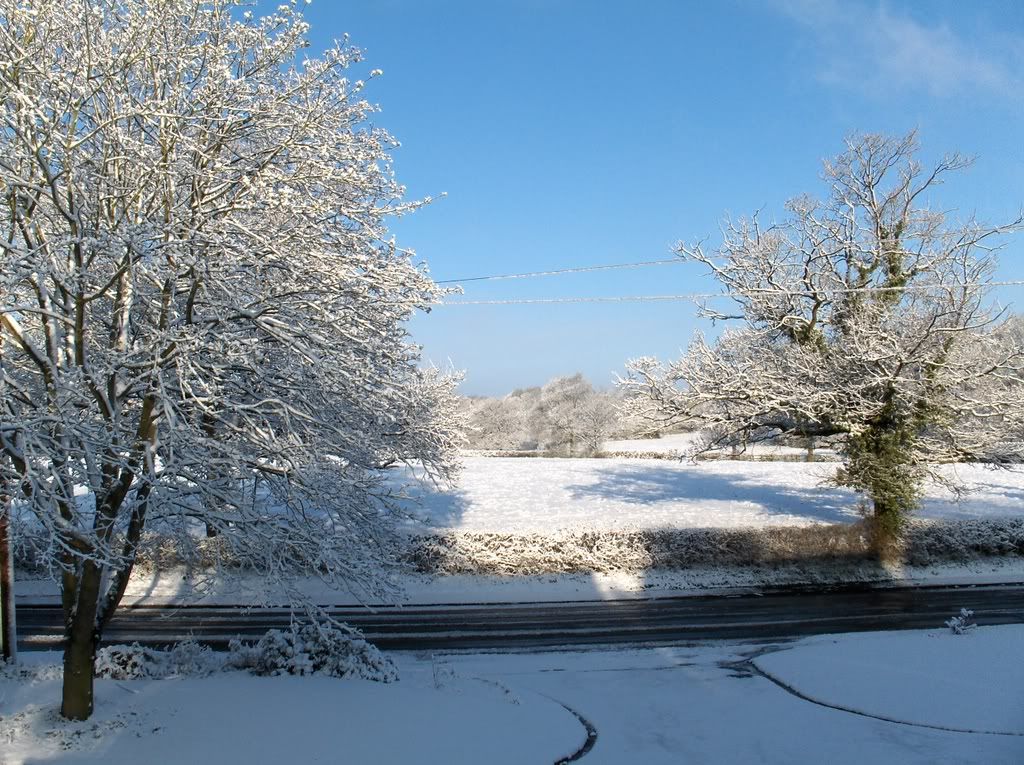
(578, 270)
(717, 295)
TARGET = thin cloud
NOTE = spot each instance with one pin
(873, 49)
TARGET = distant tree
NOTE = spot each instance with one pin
(861, 317)
(561, 407)
(494, 423)
(201, 316)
(600, 418)
(565, 415)
(574, 416)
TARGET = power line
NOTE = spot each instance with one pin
(616, 299)
(717, 295)
(578, 270)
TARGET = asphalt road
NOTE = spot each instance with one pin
(770, 615)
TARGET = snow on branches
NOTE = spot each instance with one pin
(862, 317)
(201, 314)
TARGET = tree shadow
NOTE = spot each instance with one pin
(1001, 485)
(433, 507)
(651, 484)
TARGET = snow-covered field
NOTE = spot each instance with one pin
(905, 697)
(519, 495)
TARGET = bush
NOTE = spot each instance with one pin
(135, 662)
(962, 624)
(313, 649)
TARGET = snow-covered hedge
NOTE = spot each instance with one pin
(463, 552)
(641, 550)
(926, 542)
(641, 454)
(936, 541)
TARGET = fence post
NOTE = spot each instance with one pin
(8, 625)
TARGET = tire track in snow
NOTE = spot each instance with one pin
(587, 725)
(754, 669)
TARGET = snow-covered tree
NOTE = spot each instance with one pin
(574, 416)
(863, 317)
(497, 423)
(201, 315)
(565, 415)
(561, 407)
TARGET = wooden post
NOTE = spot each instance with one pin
(8, 626)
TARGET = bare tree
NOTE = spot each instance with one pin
(862, 317)
(202, 318)
(563, 401)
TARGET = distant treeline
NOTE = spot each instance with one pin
(565, 416)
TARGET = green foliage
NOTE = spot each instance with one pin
(880, 461)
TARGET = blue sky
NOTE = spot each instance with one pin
(570, 133)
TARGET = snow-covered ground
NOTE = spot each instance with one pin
(519, 495)
(237, 718)
(906, 697)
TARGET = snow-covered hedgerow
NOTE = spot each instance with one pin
(462, 552)
(742, 457)
(457, 552)
(672, 455)
(925, 542)
(639, 550)
(33, 552)
(314, 649)
(935, 541)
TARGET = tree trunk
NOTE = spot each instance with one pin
(886, 526)
(79, 656)
(82, 639)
